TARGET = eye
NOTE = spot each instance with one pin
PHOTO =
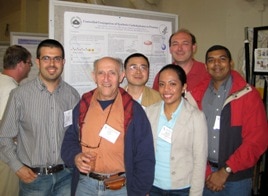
(112, 73)
(210, 60)
(45, 58)
(57, 58)
(144, 67)
(100, 72)
(186, 43)
(174, 43)
(161, 84)
(223, 58)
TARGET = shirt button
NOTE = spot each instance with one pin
(219, 96)
(214, 151)
(173, 173)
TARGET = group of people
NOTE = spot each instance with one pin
(200, 131)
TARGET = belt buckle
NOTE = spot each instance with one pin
(48, 170)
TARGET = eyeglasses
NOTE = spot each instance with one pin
(92, 147)
(29, 63)
(142, 68)
(48, 59)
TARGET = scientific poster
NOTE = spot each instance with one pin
(88, 37)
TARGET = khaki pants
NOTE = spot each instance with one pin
(9, 182)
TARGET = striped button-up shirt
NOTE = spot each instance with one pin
(39, 120)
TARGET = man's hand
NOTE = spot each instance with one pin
(216, 180)
(82, 162)
(26, 174)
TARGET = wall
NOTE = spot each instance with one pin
(218, 22)
(23, 16)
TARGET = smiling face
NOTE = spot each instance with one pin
(137, 71)
(218, 65)
(107, 75)
(181, 48)
(50, 64)
(170, 87)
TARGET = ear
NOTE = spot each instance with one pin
(232, 64)
(121, 77)
(20, 65)
(63, 62)
(184, 88)
(194, 47)
(37, 62)
(93, 76)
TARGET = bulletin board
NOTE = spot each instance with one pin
(3, 47)
(89, 32)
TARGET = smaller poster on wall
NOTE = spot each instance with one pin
(261, 60)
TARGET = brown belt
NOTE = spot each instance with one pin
(100, 177)
(47, 170)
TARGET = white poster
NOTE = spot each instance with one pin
(3, 47)
(88, 37)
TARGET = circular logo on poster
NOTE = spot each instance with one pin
(76, 22)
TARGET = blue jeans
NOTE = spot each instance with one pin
(58, 184)
(236, 188)
(155, 191)
(90, 187)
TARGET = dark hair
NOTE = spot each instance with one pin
(49, 43)
(179, 71)
(15, 54)
(219, 47)
(135, 55)
(183, 31)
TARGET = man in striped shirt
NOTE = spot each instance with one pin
(38, 114)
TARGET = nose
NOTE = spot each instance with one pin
(166, 87)
(51, 62)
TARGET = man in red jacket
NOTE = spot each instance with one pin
(237, 126)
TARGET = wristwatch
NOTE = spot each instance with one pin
(227, 169)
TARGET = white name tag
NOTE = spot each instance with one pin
(68, 118)
(217, 122)
(165, 134)
(109, 133)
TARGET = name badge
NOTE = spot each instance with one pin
(109, 133)
(165, 134)
(68, 118)
(217, 122)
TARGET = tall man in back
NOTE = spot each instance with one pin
(17, 65)
(182, 46)
(38, 114)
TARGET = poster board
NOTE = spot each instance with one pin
(3, 47)
(29, 41)
(89, 32)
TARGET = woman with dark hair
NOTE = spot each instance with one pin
(180, 138)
